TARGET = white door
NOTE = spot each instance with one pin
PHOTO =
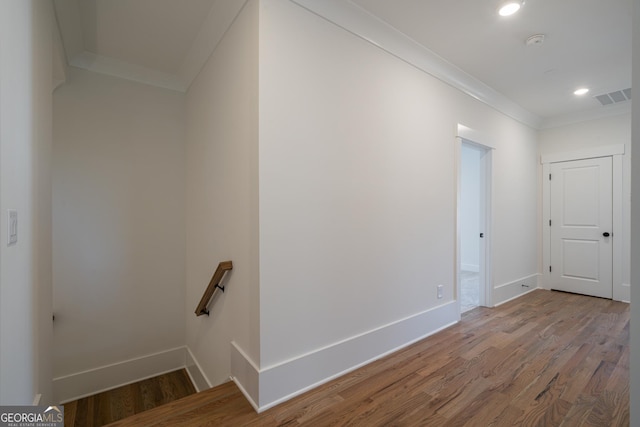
(581, 227)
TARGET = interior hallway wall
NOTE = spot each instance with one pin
(357, 191)
(222, 198)
(25, 156)
(118, 215)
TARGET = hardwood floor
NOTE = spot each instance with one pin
(545, 359)
(122, 402)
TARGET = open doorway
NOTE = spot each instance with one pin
(473, 214)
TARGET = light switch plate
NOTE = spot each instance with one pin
(12, 227)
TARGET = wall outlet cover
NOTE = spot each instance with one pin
(12, 227)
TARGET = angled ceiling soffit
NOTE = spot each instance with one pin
(221, 16)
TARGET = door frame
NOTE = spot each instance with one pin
(615, 152)
(470, 136)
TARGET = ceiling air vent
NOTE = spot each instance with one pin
(614, 97)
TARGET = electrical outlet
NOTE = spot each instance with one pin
(440, 287)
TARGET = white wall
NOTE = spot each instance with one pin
(596, 133)
(25, 155)
(118, 215)
(470, 209)
(357, 196)
(222, 198)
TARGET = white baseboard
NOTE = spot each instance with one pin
(196, 374)
(621, 292)
(512, 290)
(624, 293)
(246, 374)
(275, 384)
(81, 384)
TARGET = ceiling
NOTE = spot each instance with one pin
(159, 42)
(587, 43)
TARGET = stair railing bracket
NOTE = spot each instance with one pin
(214, 285)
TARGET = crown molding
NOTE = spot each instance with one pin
(354, 19)
(67, 14)
(116, 68)
(59, 61)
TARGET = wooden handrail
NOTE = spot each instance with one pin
(214, 285)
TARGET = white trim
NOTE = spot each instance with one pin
(246, 394)
(625, 293)
(246, 374)
(545, 278)
(195, 372)
(457, 148)
(620, 293)
(617, 220)
(286, 380)
(464, 134)
(474, 136)
(487, 164)
(75, 386)
(36, 399)
(289, 378)
(124, 70)
(59, 60)
(359, 22)
(515, 289)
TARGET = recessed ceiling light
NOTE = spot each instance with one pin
(509, 7)
(581, 91)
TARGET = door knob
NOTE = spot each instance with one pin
(606, 234)
(481, 235)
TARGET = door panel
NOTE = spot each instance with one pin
(581, 211)
(580, 259)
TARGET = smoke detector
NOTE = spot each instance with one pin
(535, 40)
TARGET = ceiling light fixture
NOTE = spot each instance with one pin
(581, 91)
(509, 7)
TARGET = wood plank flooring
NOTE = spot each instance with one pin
(545, 359)
(128, 400)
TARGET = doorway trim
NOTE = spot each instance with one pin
(474, 137)
(620, 291)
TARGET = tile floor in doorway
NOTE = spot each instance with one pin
(470, 290)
